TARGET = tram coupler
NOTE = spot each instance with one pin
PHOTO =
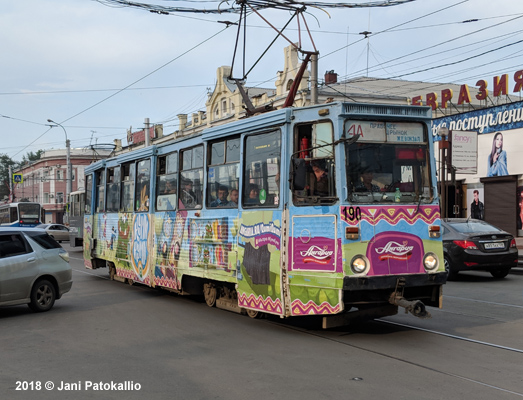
(415, 307)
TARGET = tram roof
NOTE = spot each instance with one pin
(275, 118)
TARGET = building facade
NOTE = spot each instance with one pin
(45, 180)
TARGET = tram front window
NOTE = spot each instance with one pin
(388, 163)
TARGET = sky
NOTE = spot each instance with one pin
(99, 70)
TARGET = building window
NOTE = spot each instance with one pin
(46, 198)
(224, 107)
(59, 197)
(59, 174)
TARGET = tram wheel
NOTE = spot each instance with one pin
(130, 282)
(254, 313)
(210, 293)
(112, 272)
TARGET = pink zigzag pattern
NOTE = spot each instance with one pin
(259, 303)
(166, 282)
(399, 213)
(125, 273)
(311, 308)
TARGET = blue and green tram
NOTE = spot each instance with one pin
(328, 210)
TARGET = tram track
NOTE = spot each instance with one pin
(483, 301)
(493, 345)
(327, 336)
(337, 340)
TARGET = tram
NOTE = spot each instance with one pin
(27, 214)
(329, 210)
(76, 217)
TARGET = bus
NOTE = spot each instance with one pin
(26, 214)
(76, 217)
(328, 210)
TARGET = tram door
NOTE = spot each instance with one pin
(313, 265)
(313, 269)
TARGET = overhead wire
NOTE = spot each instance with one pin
(442, 43)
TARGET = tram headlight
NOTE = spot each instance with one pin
(430, 262)
(359, 264)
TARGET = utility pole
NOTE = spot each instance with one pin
(69, 178)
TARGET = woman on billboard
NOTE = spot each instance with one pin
(497, 160)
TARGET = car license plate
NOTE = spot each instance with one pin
(495, 245)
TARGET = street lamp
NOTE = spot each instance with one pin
(69, 179)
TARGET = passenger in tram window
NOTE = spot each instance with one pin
(234, 197)
(253, 195)
(188, 195)
(366, 184)
(321, 179)
(169, 188)
(221, 200)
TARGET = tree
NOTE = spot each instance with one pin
(29, 157)
(5, 178)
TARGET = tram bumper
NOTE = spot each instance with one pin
(367, 290)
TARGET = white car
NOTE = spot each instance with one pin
(56, 231)
(34, 268)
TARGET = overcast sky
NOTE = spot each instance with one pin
(69, 60)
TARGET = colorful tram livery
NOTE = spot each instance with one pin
(327, 210)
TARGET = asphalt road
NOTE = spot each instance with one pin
(162, 346)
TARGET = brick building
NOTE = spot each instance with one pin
(45, 180)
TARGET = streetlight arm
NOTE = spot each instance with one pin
(60, 125)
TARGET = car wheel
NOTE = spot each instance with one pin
(43, 296)
(500, 273)
(448, 267)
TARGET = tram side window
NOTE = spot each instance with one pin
(100, 191)
(191, 178)
(127, 197)
(166, 182)
(223, 174)
(313, 175)
(88, 193)
(261, 179)
(143, 180)
(113, 189)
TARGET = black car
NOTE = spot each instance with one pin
(475, 245)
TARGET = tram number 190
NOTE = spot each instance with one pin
(352, 213)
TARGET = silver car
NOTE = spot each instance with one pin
(56, 231)
(34, 268)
